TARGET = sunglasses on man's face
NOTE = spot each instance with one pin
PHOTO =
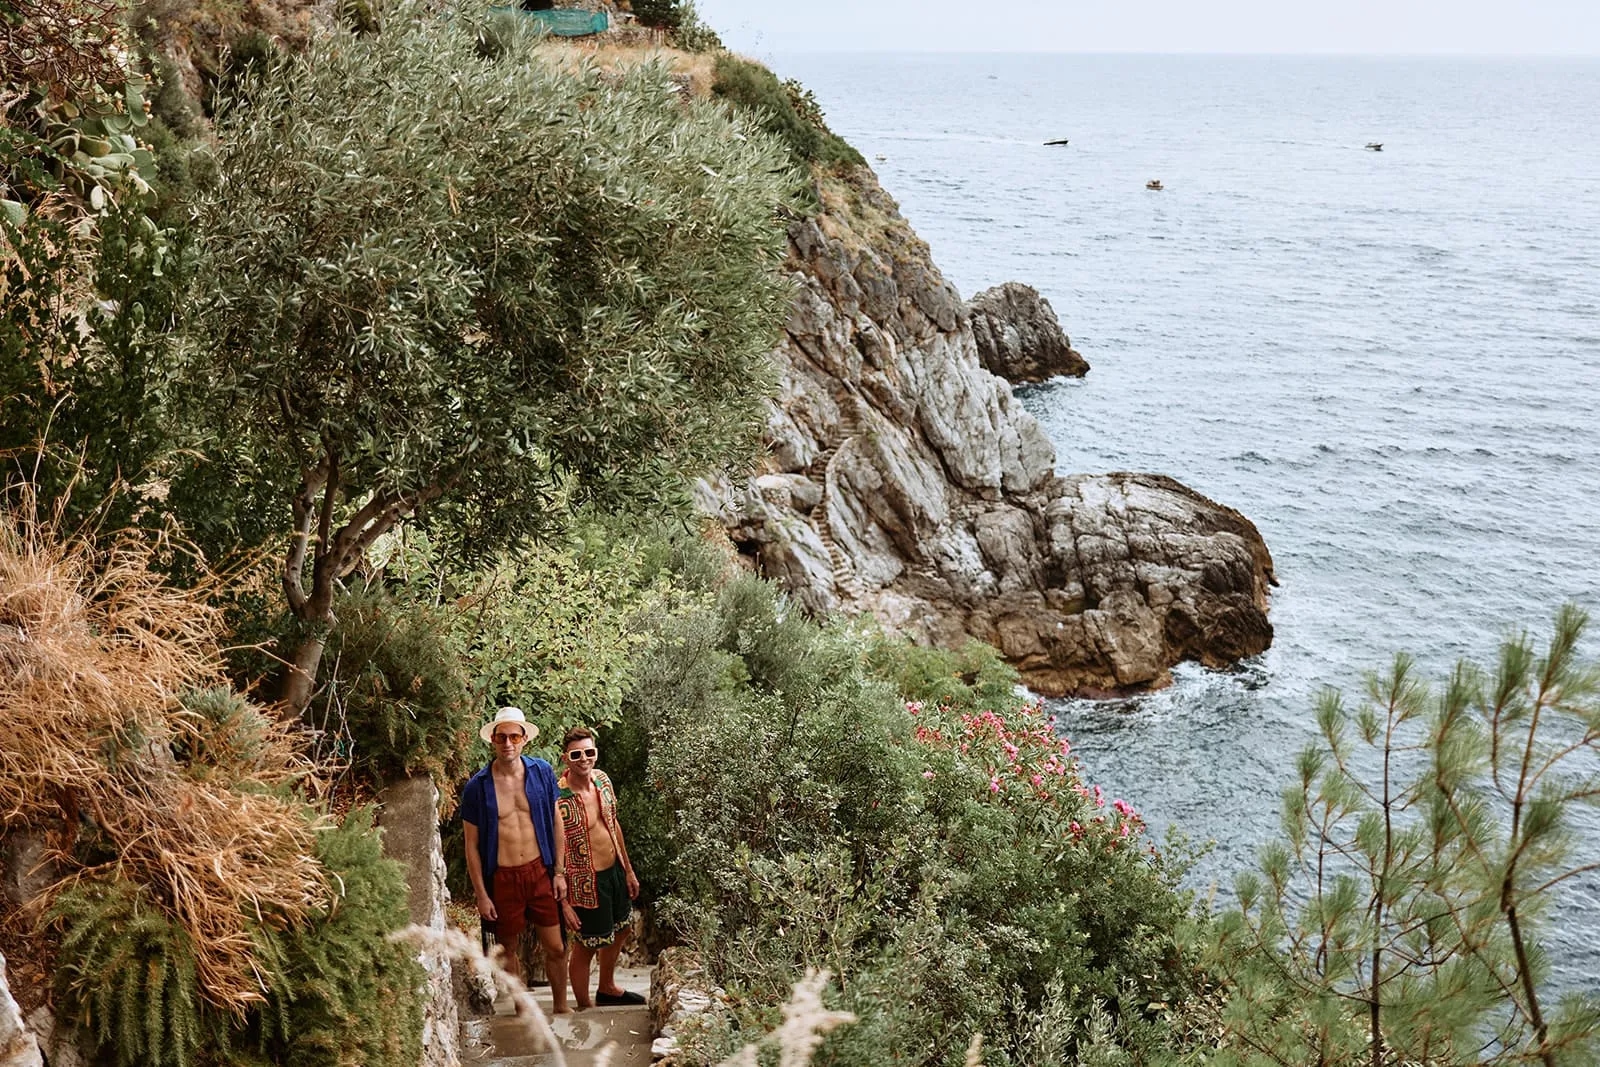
(580, 753)
(507, 738)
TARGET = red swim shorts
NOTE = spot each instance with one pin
(520, 893)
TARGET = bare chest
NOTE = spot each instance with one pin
(510, 798)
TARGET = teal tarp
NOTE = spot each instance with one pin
(565, 22)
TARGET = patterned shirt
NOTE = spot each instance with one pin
(580, 861)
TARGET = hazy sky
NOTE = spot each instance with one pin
(763, 27)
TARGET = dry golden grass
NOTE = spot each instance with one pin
(95, 650)
(610, 56)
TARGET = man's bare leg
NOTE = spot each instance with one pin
(578, 968)
(608, 964)
(555, 966)
(510, 960)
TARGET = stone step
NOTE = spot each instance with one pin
(503, 1040)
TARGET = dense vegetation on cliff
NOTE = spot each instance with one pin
(394, 372)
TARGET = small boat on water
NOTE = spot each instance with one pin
(1061, 141)
(1375, 146)
(1154, 184)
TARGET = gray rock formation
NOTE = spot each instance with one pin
(18, 1046)
(60, 1045)
(1019, 337)
(905, 481)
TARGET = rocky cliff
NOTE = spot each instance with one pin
(904, 480)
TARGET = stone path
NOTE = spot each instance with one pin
(502, 1040)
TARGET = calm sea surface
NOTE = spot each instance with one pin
(1389, 360)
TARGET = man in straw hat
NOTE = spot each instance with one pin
(515, 857)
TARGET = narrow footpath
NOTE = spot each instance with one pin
(503, 1040)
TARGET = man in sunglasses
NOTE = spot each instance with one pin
(515, 857)
(602, 885)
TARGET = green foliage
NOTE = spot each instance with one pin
(90, 286)
(518, 290)
(658, 14)
(693, 34)
(125, 977)
(754, 89)
(550, 633)
(947, 866)
(395, 687)
(342, 992)
(681, 20)
(86, 147)
(971, 679)
(230, 738)
(337, 990)
(548, 628)
(361, 16)
(1398, 920)
(94, 382)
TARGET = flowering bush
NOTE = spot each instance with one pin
(827, 798)
(1029, 767)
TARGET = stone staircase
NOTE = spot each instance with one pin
(504, 1040)
(845, 579)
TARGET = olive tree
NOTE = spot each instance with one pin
(446, 274)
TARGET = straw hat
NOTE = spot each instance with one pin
(529, 731)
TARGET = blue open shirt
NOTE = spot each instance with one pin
(480, 807)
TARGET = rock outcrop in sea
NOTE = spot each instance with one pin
(1019, 337)
(904, 479)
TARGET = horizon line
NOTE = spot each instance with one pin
(1298, 54)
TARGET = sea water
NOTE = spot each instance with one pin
(1389, 360)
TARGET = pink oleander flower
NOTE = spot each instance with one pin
(994, 784)
(1099, 797)
(1124, 829)
(927, 774)
(1037, 779)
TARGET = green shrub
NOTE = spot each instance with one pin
(497, 34)
(692, 34)
(658, 14)
(338, 991)
(754, 89)
(971, 679)
(125, 977)
(230, 739)
(342, 992)
(396, 687)
(945, 862)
